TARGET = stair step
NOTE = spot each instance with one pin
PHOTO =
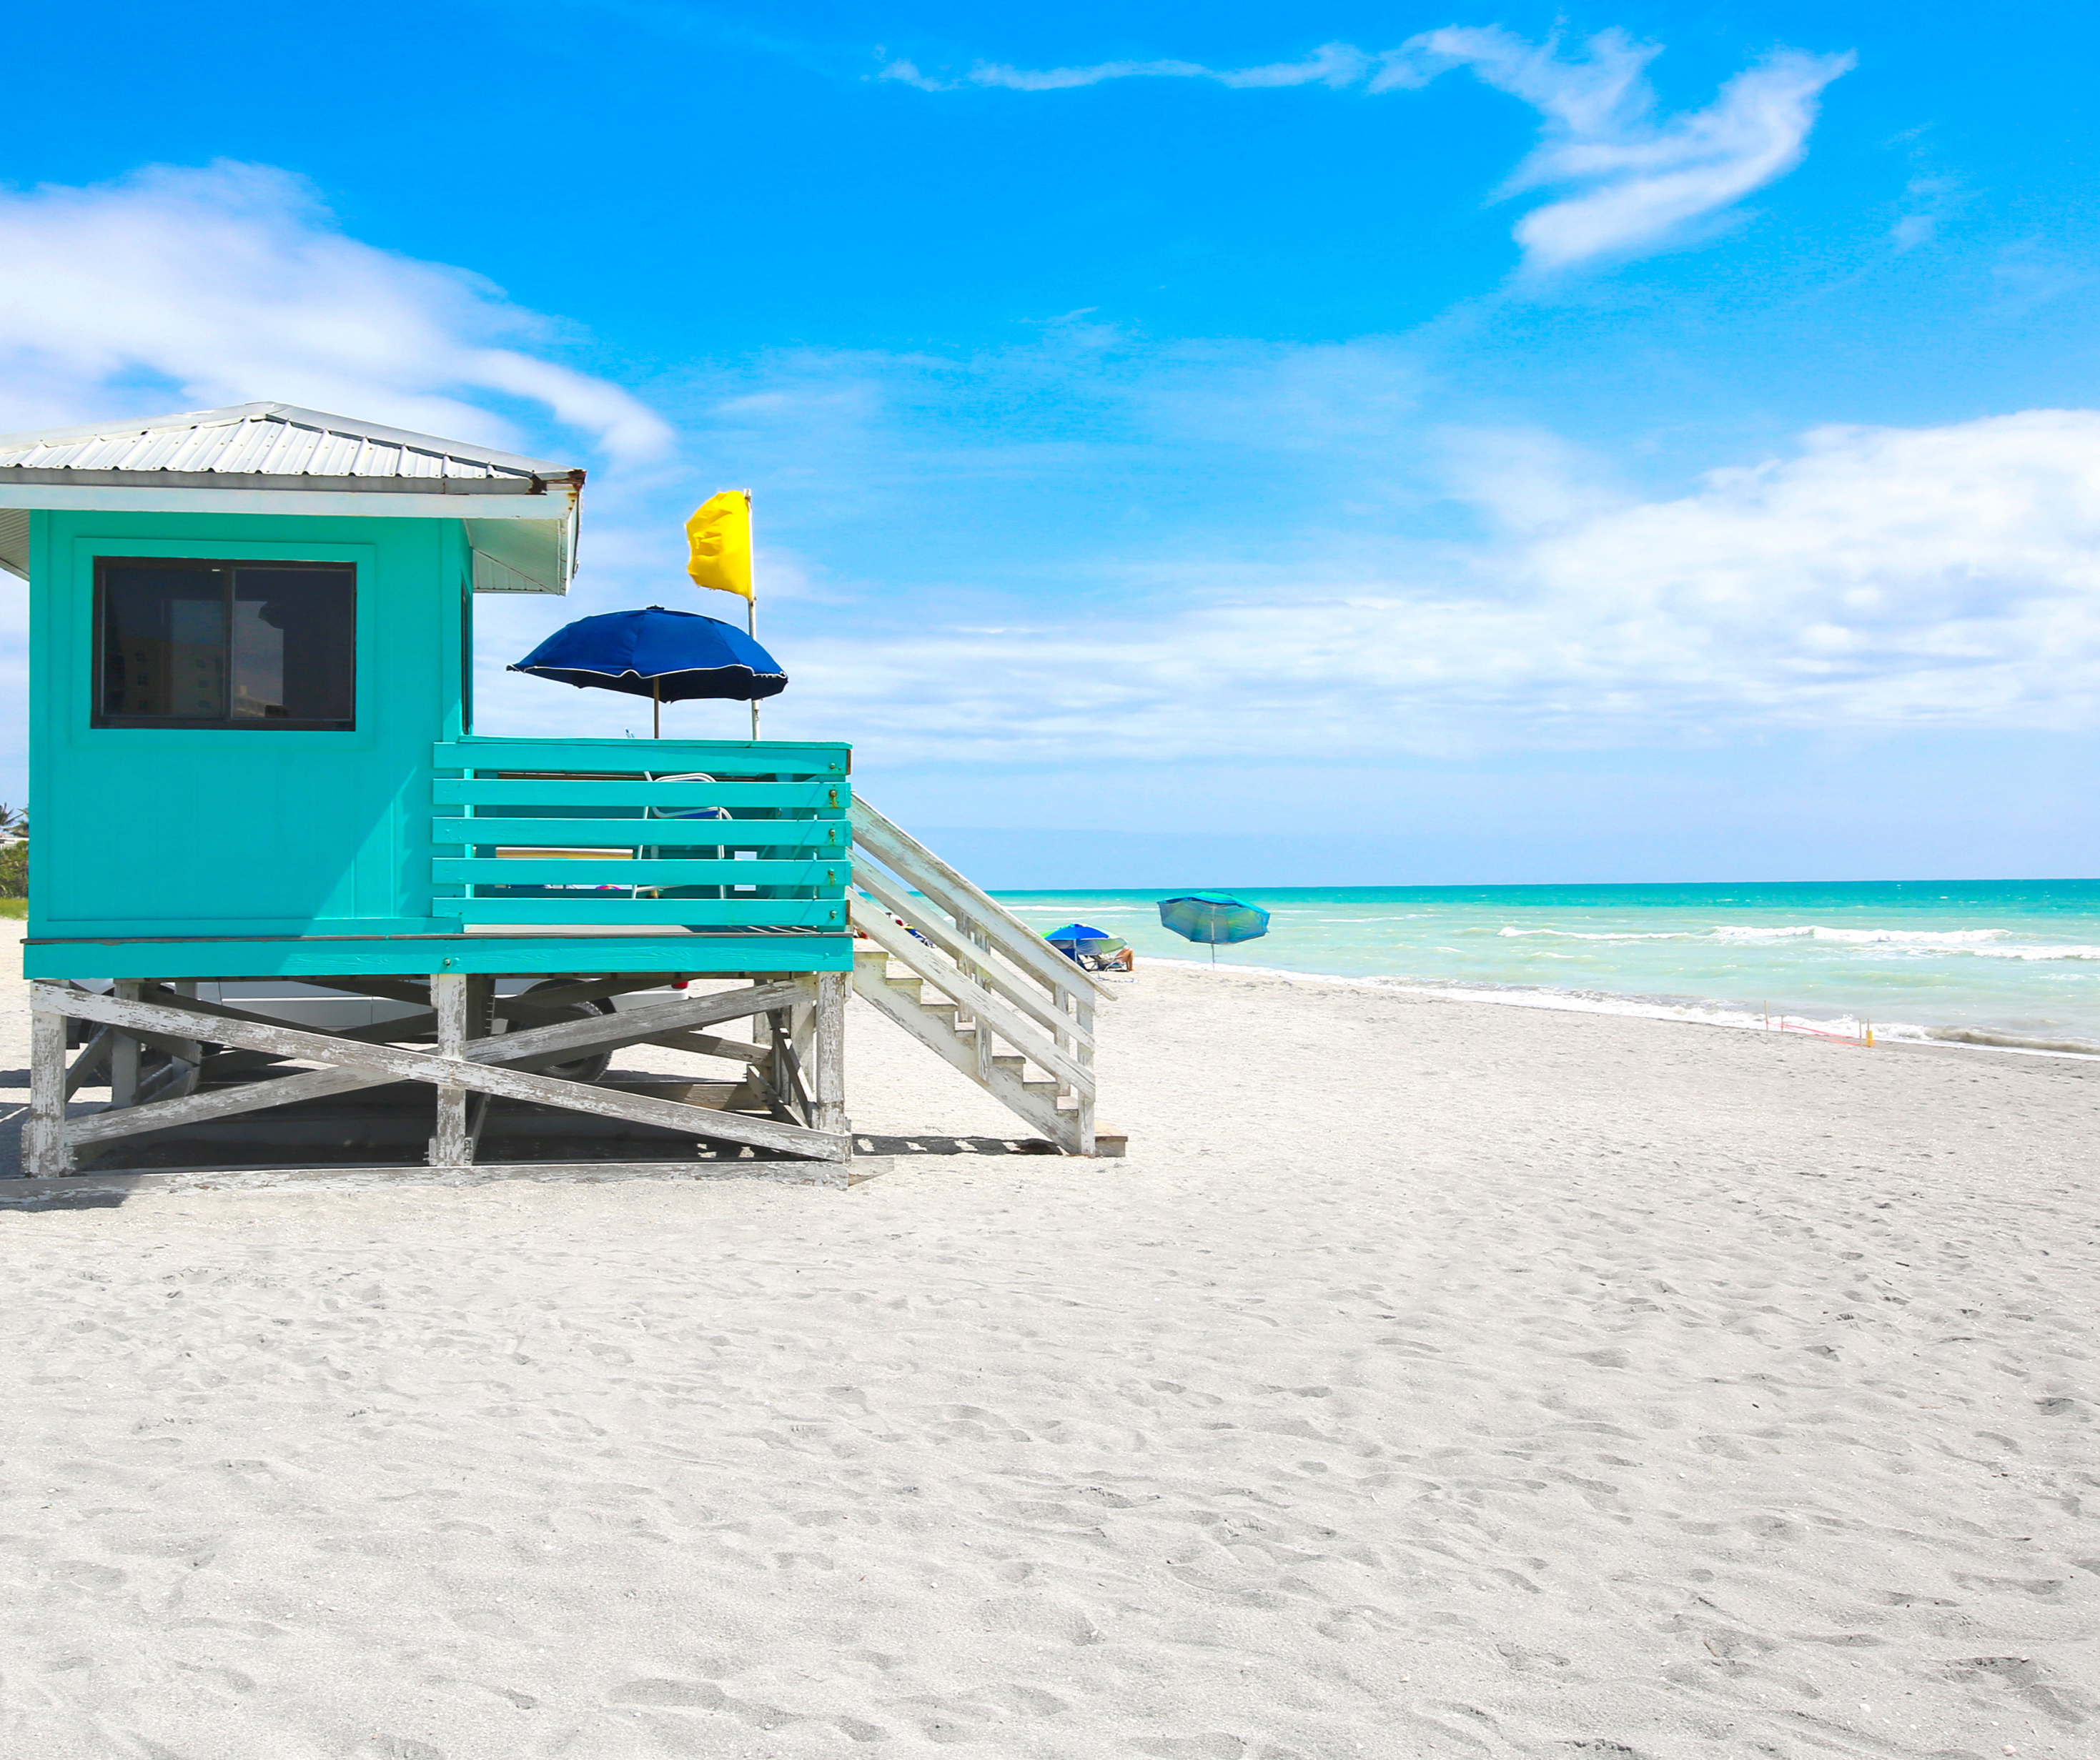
(1011, 1065)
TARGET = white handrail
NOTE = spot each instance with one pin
(896, 900)
(898, 850)
(987, 1009)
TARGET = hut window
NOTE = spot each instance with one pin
(225, 645)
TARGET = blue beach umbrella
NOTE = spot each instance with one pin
(1214, 917)
(1078, 938)
(666, 656)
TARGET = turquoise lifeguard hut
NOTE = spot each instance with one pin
(252, 757)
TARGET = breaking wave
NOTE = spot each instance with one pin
(1987, 943)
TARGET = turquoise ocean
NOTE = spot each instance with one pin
(2013, 963)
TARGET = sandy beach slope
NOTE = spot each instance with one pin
(1432, 1379)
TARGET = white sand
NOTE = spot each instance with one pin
(1433, 1378)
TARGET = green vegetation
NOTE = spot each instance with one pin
(17, 908)
(14, 859)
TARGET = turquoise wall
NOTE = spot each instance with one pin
(210, 832)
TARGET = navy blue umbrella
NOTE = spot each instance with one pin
(1084, 945)
(666, 656)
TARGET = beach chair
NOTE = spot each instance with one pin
(678, 852)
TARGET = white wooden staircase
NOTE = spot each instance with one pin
(1006, 1008)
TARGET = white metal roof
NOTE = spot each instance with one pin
(270, 445)
(277, 458)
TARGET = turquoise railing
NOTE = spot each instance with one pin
(729, 835)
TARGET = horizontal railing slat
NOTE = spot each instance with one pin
(830, 797)
(788, 758)
(498, 870)
(679, 834)
(708, 913)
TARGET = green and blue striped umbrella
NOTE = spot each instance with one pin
(1216, 918)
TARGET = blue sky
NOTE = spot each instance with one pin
(1193, 445)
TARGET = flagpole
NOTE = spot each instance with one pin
(751, 611)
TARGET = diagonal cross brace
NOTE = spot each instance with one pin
(558, 1043)
(561, 1040)
(220, 1103)
(357, 1064)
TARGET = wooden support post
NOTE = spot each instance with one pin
(780, 1071)
(480, 1025)
(452, 1146)
(46, 1154)
(124, 1055)
(804, 1022)
(827, 1053)
(1084, 1048)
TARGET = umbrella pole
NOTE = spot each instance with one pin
(751, 627)
(656, 708)
(751, 602)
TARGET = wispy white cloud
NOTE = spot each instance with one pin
(2029, 275)
(1635, 181)
(1262, 553)
(1876, 578)
(190, 288)
(1331, 64)
(1930, 196)
(1638, 181)
(231, 283)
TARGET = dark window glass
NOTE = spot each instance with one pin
(225, 645)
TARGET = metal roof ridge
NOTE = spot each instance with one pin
(292, 415)
(420, 442)
(124, 424)
(60, 475)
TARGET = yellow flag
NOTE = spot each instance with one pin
(720, 534)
